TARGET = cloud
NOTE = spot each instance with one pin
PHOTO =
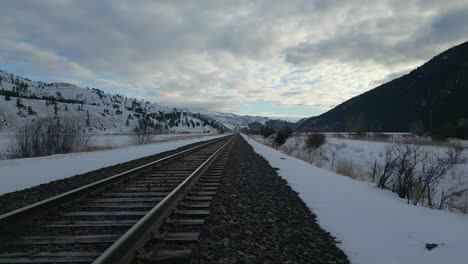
(220, 55)
(402, 34)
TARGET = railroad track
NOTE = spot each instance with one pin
(148, 214)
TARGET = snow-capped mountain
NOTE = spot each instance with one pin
(23, 100)
(236, 122)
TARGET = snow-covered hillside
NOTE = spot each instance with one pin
(23, 100)
(236, 122)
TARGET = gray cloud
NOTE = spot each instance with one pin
(219, 55)
(391, 39)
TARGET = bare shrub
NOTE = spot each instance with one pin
(144, 132)
(416, 175)
(313, 142)
(48, 136)
(334, 149)
(455, 154)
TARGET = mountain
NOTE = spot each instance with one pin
(433, 97)
(236, 122)
(278, 124)
(23, 100)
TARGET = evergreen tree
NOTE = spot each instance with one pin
(18, 103)
(284, 133)
(55, 108)
(30, 111)
(88, 123)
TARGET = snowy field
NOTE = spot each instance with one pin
(360, 154)
(99, 142)
(373, 225)
(356, 159)
(112, 141)
(17, 174)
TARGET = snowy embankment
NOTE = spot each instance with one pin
(360, 155)
(374, 225)
(17, 174)
(358, 158)
(112, 141)
(102, 141)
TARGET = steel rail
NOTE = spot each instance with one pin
(124, 249)
(11, 220)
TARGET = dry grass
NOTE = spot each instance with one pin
(346, 168)
(97, 148)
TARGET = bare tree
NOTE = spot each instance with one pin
(48, 136)
(334, 149)
(143, 133)
(446, 198)
(416, 174)
(455, 153)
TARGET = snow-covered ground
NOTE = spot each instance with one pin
(373, 225)
(356, 158)
(17, 174)
(106, 141)
(361, 154)
(112, 141)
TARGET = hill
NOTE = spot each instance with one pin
(432, 98)
(23, 100)
(236, 122)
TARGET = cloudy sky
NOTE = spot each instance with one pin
(276, 58)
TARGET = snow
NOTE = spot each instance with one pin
(111, 141)
(17, 174)
(102, 141)
(373, 225)
(235, 122)
(103, 108)
(361, 155)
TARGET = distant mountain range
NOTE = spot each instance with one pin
(23, 100)
(236, 122)
(433, 97)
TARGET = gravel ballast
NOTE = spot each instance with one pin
(15, 200)
(257, 218)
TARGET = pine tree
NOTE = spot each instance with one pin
(88, 123)
(55, 108)
(19, 105)
(30, 111)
